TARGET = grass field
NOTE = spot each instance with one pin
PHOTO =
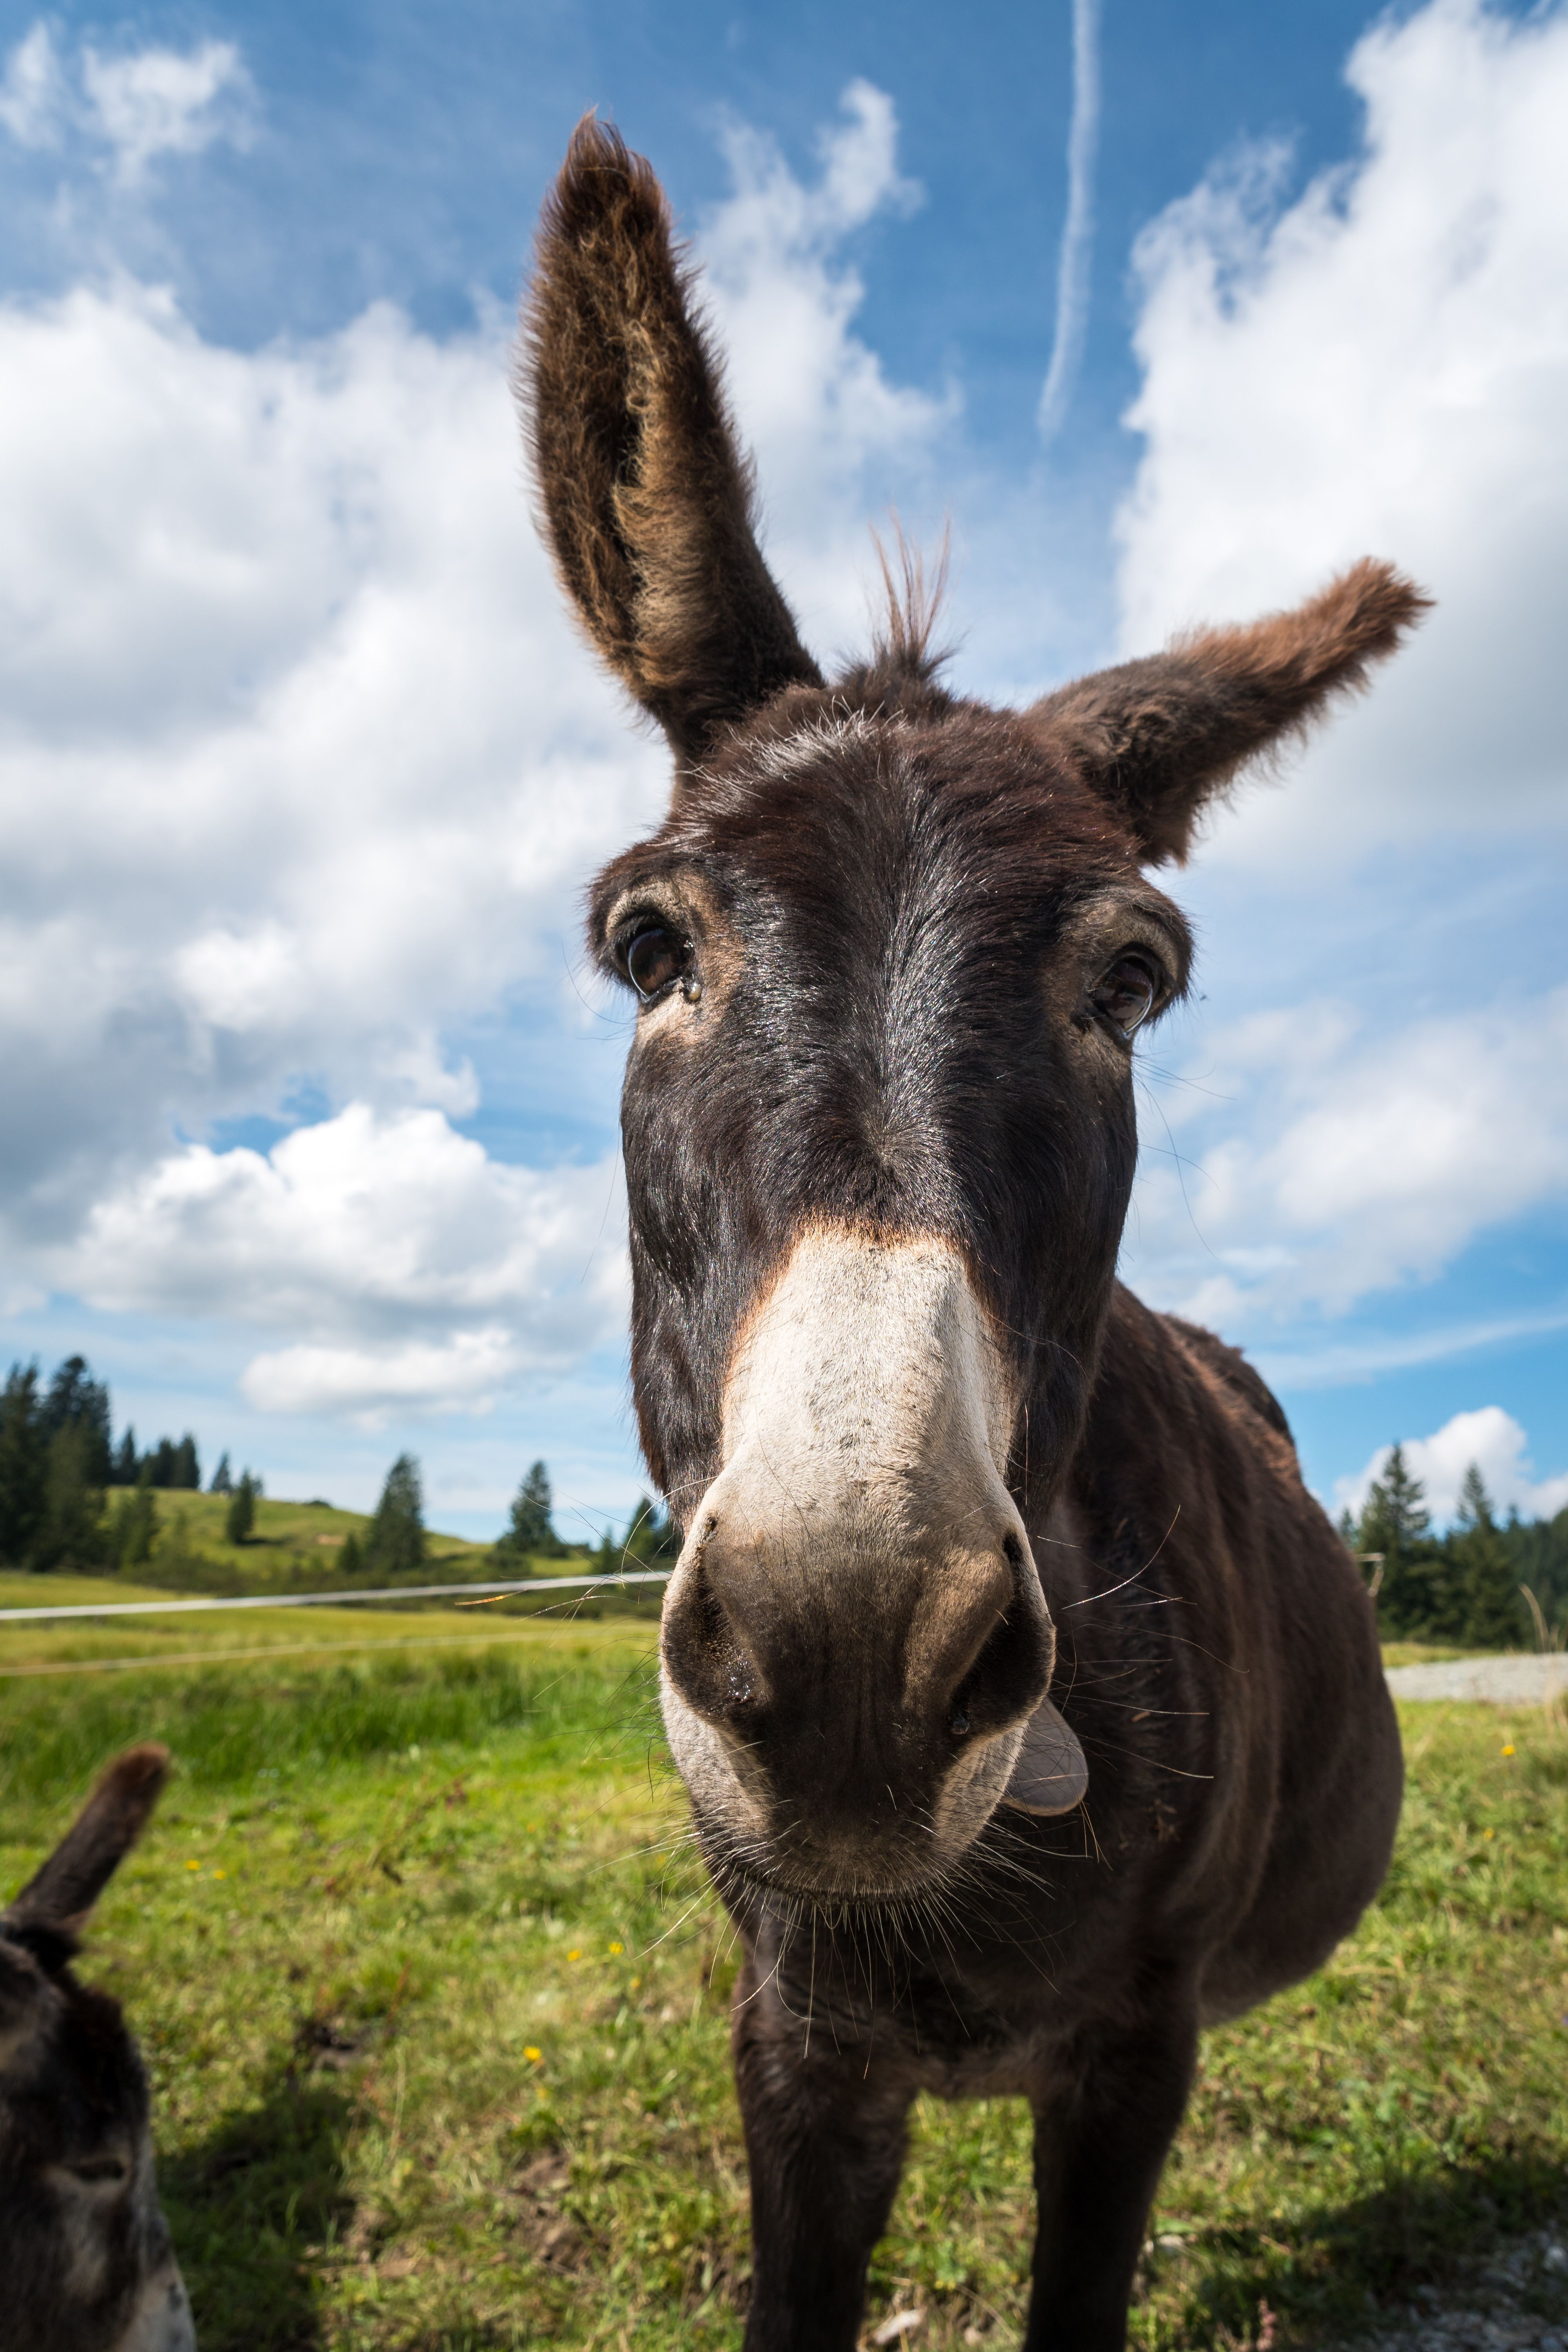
(435, 2002)
(294, 1547)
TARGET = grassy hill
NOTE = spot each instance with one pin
(296, 1547)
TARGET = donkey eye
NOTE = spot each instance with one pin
(1128, 992)
(97, 2169)
(653, 958)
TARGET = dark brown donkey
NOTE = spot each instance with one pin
(85, 2260)
(891, 953)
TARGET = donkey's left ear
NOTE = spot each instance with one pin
(1160, 739)
(646, 498)
(58, 1899)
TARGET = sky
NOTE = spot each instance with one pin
(1163, 310)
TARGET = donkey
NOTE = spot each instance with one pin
(891, 953)
(86, 2264)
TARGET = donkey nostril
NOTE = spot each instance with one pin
(1007, 1677)
(703, 1651)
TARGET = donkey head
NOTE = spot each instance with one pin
(889, 953)
(85, 2258)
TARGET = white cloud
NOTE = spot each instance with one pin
(403, 1261)
(302, 765)
(158, 102)
(32, 91)
(136, 105)
(1489, 1438)
(369, 1385)
(1348, 1159)
(826, 425)
(1075, 255)
(300, 759)
(1380, 366)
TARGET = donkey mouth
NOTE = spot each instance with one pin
(844, 1890)
(851, 1857)
(869, 1859)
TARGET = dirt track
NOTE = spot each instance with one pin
(1514, 1681)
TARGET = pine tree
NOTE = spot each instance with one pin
(223, 1477)
(124, 1467)
(73, 1500)
(187, 1469)
(530, 1533)
(163, 1461)
(1412, 1598)
(23, 1465)
(76, 1401)
(1494, 1610)
(350, 1560)
(133, 1530)
(395, 1545)
(239, 1519)
(651, 1539)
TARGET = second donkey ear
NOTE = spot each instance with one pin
(646, 501)
(61, 1896)
(1160, 739)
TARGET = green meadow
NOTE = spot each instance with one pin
(294, 1547)
(434, 2001)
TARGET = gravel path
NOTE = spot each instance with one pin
(1516, 1681)
(1519, 2303)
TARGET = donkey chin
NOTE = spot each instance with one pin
(855, 1637)
(759, 1844)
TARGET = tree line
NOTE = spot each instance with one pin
(395, 1543)
(59, 1463)
(1486, 1583)
(72, 1498)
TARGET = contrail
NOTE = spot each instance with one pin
(1077, 231)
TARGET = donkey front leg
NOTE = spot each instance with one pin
(1099, 2144)
(825, 2141)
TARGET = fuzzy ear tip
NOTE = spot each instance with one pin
(593, 145)
(137, 1776)
(1381, 602)
(599, 173)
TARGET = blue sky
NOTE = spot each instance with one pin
(313, 1133)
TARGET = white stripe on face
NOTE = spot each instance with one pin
(861, 1508)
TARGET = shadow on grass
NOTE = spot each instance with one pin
(1351, 2266)
(251, 2206)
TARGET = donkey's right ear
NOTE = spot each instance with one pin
(646, 501)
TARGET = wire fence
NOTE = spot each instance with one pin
(465, 1596)
(473, 1594)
